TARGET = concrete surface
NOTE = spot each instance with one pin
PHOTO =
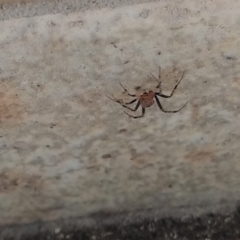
(29, 8)
(69, 151)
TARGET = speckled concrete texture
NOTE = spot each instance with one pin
(28, 8)
(68, 151)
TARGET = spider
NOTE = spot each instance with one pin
(147, 98)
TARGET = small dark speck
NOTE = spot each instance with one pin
(93, 167)
(170, 185)
(52, 24)
(230, 58)
(38, 85)
(47, 146)
(159, 53)
(52, 125)
(106, 156)
(113, 44)
(137, 88)
(16, 95)
(14, 182)
(122, 130)
(126, 62)
(121, 49)
(205, 81)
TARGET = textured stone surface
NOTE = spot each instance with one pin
(29, 8)
(209, 226)
(67, 150)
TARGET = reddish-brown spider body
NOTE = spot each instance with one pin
(147, 99)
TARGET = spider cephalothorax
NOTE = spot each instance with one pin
(146, 99)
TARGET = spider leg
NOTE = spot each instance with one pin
(154, 77)
(132, 95)
(114, 99)
(158, 79)
(159, 82)
(126, 103)
(131, 116)
(162, 109)
(159, 74)
(121, 101)
(132, 109)
(109, 97)
(168, 96)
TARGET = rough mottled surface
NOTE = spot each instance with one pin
(208, 226)
(68, 151)
(29, 8)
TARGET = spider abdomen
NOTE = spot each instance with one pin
(147, 99)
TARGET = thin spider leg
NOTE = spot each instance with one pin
(126, 103)
(114, 99)
(154, 77)
(121, 101)
(132, 109)
(110, 98)
(132, 95)
(161, 107)
(157, 80)
(168, 96)
(143, 112)
(159, 75)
